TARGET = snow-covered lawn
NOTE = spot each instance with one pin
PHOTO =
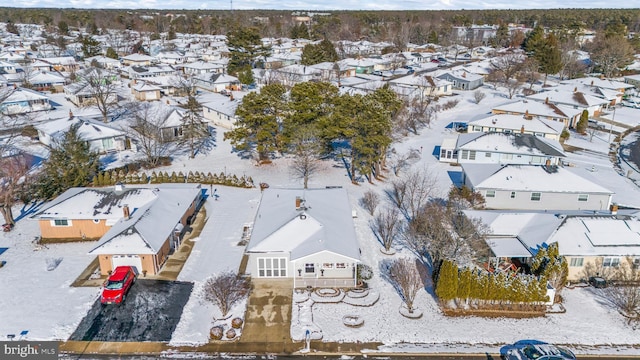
(42, 301)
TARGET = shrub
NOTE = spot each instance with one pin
(236, 323)
(216, 332)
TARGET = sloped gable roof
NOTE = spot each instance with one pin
(324, 224)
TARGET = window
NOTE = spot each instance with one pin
(535, 196)
(611, 262)
(513, 194)
(465, 154)
(61, 222)
(576, 262)
(583, 197)
(472, 155)
(488, 154)
(272, 267)
(309, 268)
(443, 153)
(341, 265)
(477, 128)
(327, 266)
(490, 193)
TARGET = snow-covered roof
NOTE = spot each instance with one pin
(530, 178)
(516, 123)
(146, 86)
(88, 129)
(420, 80)
(137, 57)
(517, 234)
(598, 82)
(598, 235)
(149, 226)
(322, 223)
(22, 94)
(221, 103)
(536, 108)
(514, 143)
(577, 98)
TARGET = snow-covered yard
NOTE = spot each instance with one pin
(42, 301)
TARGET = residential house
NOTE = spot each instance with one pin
(463, 80)
(22, 101)
(143, 72)
(595, 244)
(146, 91)
(574, 99)
(202, 67)
(220, 110)
(61, 63)
(47, 81)
(100, 137)
(137, 60)
(534, 187)
(103, 62)
(503, 148)
(215, 82)
(168, 121)
(293, 74)
(170, 57)
(330, 71)
(134, 225)
(524, 124)
(422, 86)
(7, 67)
(304, 234)
(567, 115)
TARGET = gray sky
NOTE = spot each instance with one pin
(327, 4)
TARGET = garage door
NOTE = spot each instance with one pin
(272, 267)
(127, 260)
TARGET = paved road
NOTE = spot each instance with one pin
(150, 312)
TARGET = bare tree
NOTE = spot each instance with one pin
(225, 290)
(144, 130)
(13, 170)
(406, 278)
(529, 71)
(625, 295)
(478, 96)
(411, 193)
(428, 235)
(513, 86)
(401, 161)
(306, 150)
(386, 226)
(102, 86)
(370, 201)
(507, 65)
(611, 54)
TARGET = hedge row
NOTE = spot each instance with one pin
(112, 177)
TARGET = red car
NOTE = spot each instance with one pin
(118, 284)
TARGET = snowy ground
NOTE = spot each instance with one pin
(42, 302)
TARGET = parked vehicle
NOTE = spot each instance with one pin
(631, 104)
(118, 284)
(597, 282)
(539, 352)
(377, 73)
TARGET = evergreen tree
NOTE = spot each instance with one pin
(310, 104)
(322, 52)
(71, 163)
(111, 53)
(549, 56)
(245, 48)
(90, 46)
(502, 38)
(534, 41)
(63, 28)
(258, 121)
(464, 284)
(433, 37)
(447, 285)
(300, 31)
(194, 129)
(583, 123)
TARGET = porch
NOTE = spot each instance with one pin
(324, 282)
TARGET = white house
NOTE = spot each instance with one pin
(523, 124)
(304, 234)
(575, 99)
(502, 148)
(425, 85)
(23, 100)
(220, 110)
(534, 187)
(100, 137)
(216, 82)
(568, 115)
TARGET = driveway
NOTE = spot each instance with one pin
(150, 312)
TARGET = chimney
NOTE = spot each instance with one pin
(591, 82)
(125, 212)
(575, 89)
(70, 114)
(464, 74)
(298, 202)
(601, 76)
(614, 209)
(546, 100)
(231, 96)
(522, 130)
(547, 163)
